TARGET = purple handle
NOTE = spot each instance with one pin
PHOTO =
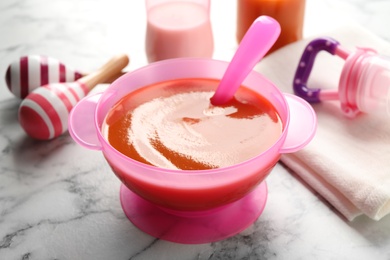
(306, 64)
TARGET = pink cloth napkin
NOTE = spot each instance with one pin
(348, 161)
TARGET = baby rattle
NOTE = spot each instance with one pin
(32, 71)
(43, 114)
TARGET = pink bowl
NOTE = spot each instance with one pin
(191, 194)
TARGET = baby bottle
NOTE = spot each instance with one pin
(289, 13)
(364, 84)
(178, 28)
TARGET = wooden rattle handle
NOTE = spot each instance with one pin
(108, 71)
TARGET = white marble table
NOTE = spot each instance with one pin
(61, 201)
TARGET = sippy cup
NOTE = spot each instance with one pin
(192, 206)
(364, 84)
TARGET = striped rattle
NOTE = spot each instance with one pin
(44, 113)
(33, 71)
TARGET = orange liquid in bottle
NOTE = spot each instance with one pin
(289, 14)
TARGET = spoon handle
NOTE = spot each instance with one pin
(257, 41)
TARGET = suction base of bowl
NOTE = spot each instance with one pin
(199, 228)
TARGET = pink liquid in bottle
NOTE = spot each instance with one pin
(178, 29)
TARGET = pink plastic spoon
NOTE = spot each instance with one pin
(257, 41)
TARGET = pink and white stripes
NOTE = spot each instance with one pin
(44, 113)
(33, 71)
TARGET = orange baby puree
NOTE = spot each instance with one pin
(173, 125)
(289, 14)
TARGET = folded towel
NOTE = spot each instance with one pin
(348, 161)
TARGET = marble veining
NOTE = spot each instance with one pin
(61, 201)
